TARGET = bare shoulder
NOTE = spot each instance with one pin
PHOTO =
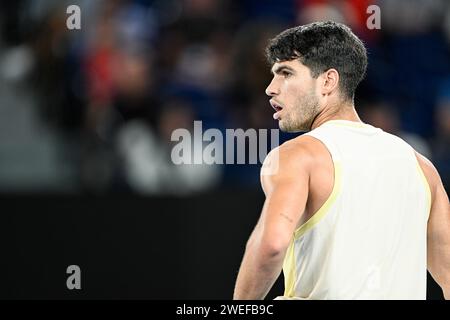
(430, 172)
(424, 162)
(298, 152)
(294, 158)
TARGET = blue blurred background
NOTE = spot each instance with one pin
(92, 110)
(86, 118)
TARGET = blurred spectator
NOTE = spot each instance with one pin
(384, 115)
(93, 110)
(147, 163)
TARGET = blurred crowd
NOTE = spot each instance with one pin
(92, 110)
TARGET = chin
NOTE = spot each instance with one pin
(291, 128)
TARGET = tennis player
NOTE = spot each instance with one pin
(351, 212)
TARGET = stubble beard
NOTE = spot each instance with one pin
(302, 114)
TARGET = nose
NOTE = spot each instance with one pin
(272, 89)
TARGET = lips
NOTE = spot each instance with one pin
(277, 107)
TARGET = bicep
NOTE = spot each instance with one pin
(284, 206)
(438, 230)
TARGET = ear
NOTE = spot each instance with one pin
(330, 81)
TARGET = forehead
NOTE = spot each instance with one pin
(293, 65)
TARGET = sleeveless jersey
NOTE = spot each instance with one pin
(368, 240)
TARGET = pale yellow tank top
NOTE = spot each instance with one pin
(368, 240)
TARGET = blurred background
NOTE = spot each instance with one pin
(86, 118)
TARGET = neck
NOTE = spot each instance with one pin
(343, 111)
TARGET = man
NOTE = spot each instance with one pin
(351, 212)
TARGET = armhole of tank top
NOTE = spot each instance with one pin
(325, 208)
(425, 183)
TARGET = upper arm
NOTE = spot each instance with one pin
(438, 231)
(285, 181)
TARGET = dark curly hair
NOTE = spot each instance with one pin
(321, 46)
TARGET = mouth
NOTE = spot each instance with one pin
(277, 109)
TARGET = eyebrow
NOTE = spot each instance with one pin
(281, 68)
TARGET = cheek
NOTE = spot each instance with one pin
(294, 90)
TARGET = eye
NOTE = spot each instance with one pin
(286, 74)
